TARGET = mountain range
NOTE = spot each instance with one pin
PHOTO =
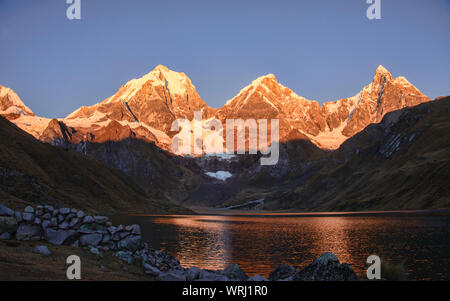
(146, 107)
(345, 146)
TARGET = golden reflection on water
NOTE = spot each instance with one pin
(260, 243)
(207, 241)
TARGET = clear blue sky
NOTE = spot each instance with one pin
(322, 50)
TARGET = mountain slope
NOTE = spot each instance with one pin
(149, 104)
(401, 163)
(32, 172)
(145, 108)
(130, 131)
(13, 109)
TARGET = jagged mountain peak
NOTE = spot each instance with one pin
(177, 83)
(381, 75)
(268, 77)
(263, 80)
(266, 86)
(147, 106)
(382, 70)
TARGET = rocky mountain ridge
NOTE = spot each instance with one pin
(145, 108)
(116, 132)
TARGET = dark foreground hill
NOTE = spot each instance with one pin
(33, 172)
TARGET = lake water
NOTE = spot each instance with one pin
(259, 243)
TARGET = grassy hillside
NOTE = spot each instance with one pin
(32, 172)
(401, 163)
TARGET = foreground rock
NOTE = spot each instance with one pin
(43, 250)
(234, 272)
(282, 272)
(257, 278)
(8, 224)
(69, 226)
(326, 268)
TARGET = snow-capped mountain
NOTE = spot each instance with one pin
(145, 108)
(329, 125)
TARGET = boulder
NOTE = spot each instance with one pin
(5, 211)
(64, 225)
(80, 214)
(257, 278)
(43, 250)
(8, 224)
(88, 219)
(28, 231)
(61, 237)
(112, 229)
(160, 259)
(172, 276)
(4, 236)
(27, 216)
(234, 272)
(18, 216)
(192, 274)
(150, 270)
(101, 219)
(283, 271)
(206, 275)
(124, 234)
(96, 251)
(106, 238)
(126, 256)
(47, 216)
(92, 228)
(91, 239)
(28, 209)
(136, 229)
(130, 243)
(64, 211)
(73, 221)
(46, 224)
(326, 268)
(69, 217)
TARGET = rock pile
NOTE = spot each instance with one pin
(66, 226)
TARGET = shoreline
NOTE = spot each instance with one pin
(289, 213)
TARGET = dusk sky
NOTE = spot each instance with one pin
(322, 50)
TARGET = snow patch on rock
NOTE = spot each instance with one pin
(219, 175)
